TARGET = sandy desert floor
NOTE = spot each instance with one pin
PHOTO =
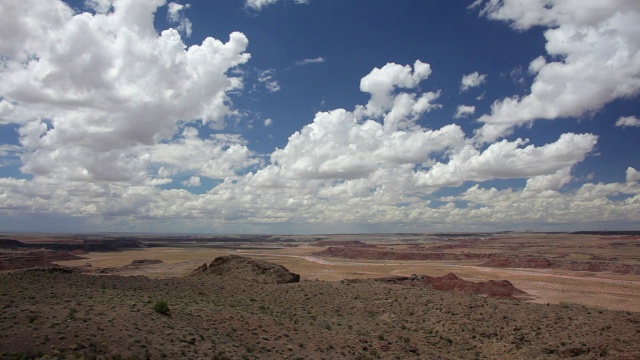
(598, 289)
(102, 305)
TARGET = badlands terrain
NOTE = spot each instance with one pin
(388, 296)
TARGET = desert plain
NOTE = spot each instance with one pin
(359, 296)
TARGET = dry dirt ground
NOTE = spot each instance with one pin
(108, 311)
(606, 290)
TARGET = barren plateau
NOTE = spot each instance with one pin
(390, 296)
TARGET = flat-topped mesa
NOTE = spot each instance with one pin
(249, 269)
(356, 243)
(451, 282)
(375, 253)
(594, 264)
(143, 262)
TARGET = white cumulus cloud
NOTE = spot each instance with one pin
(625, 121)
(464, 110)
(382, 82)
(633, 175)
(175, 14)
(110, 87)
(595, 48)
(193, 181)
(118, 108)
(506, 159)
(471, 80)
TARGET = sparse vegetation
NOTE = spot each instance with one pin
(161, 307)
(330, 324)
(226, 317)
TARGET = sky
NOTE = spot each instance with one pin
(317, 116)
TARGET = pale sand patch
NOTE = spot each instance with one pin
(176, 261)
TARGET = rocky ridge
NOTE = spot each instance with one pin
(531, 262)
(247, 269)
(451, 282)
(366, 253)
(12, 260)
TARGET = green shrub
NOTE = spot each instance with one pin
(161, 307)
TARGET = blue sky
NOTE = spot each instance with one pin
(293, 116)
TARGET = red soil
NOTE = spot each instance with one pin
(452, 283)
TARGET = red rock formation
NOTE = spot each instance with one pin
(528, 262)
(452, 283)
(520, 262)
(381, 254)
(343, 243)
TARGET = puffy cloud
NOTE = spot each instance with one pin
(381, 83)
(587, 205)
(102, 134)
(231, 204)
(316, 152)
(477, 195)
(464, 110)
(549, 182)
(473, 79)
(537, 64)
(222, 156)
(625, 121)
(407, 109)
(596, 46)
(175, 15)
(338, 145)
(553, 13)
(174, 11)
(317, 60)
(107, 86)
(504, 160)
(22, 20)
(268, 122)
(633, 175)
(193, 181)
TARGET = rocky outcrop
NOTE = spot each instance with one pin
(86, 245)
(344, 243)
(532, 262)
(41, 258)
(199, 270)
(145, 262)
(521, 262)
(382, 254)
(452, 283)
(134, 265)
(248, 269)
